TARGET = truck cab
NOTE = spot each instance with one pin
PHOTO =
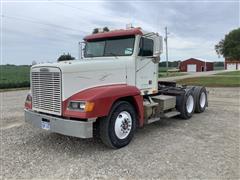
(135, 52)
(112, 89)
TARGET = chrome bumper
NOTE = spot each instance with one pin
(81, 129)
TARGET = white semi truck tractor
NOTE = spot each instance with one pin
(112, 90)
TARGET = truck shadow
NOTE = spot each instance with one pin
(72, 146)
(158, 126)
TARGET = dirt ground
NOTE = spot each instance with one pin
(205, 147)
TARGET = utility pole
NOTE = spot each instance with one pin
(166, 42)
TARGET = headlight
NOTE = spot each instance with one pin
(83, 106)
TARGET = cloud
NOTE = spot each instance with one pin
(41, 31)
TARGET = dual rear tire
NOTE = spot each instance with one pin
(200, 95)
(194, 100)
(186, 104)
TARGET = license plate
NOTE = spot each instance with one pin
(45, 125)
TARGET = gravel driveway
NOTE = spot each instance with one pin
(205, 147)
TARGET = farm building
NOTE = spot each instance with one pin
(232, 65)
(195, 65)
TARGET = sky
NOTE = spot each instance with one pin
(43, 30)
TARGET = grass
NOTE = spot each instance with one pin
(217, 68)
(231, 73)
(12, 76)
(226, 79)
(162, 69)
(170, 74)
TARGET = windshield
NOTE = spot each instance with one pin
(122, 46)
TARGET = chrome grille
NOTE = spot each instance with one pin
(46, 90)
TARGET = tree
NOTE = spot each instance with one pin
(65, 57)
(229, 47)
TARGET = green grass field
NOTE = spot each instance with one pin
(216, 68)
(170, 74)
(12, 76)
(226, 79)
(231, 73)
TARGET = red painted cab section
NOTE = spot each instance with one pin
(103, 98)
(115, 33)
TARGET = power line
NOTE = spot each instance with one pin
(77, 8)
(63, 4)
(35, 21)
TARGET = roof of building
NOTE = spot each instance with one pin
(199, 59)
(114, 33)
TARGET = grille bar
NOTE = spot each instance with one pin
(46, 90)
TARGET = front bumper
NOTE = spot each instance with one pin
(81, 129)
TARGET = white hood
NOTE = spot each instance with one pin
(78, 75)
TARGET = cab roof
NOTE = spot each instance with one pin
(114, 33)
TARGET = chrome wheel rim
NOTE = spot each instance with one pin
(190, 104)
(123, 125)
(202, 100)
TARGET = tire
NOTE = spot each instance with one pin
(186, 104)
(117, 129)
(201, 101)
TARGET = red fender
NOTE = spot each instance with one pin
(103, 98)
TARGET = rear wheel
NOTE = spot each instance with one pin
(118, 128)
(200, 95)
(186, 105)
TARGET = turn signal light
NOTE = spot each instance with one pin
(89, 106)
(28, 102)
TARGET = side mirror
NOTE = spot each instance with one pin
(158, 46)
(156, 59)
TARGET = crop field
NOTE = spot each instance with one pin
(13, 76)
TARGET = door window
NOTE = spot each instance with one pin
(146, 47)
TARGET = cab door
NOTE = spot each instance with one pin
(146, 67)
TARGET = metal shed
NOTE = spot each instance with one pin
(232, 64)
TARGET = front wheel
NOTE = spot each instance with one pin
(118, 128)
